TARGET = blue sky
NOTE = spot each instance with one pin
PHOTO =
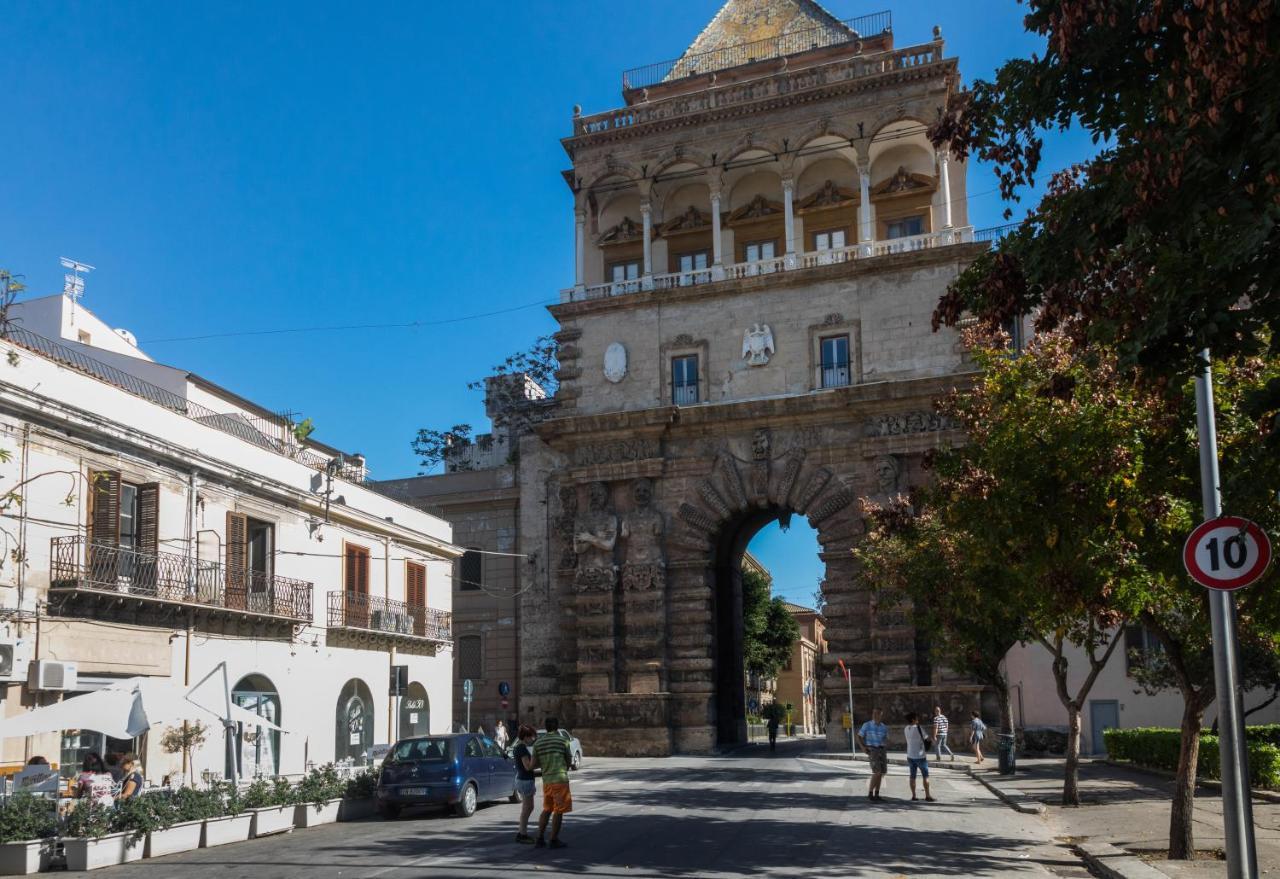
(250, 167)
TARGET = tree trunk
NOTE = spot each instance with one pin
(1181, 832)
(1071, 774)
(1006, 710)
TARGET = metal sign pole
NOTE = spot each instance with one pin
(853, 734)
(1237, 808)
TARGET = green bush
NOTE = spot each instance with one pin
(1159, 748)
(362, 786)
(259, 795)
(190, 804)
(320, 786)
(1265, 733)
(25, 817)
(89, 820)
(143, 814)
(228, 798)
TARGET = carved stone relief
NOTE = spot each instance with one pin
(595, 535)
(757, 345)
(902, 423)
(761, 446)
(817, 481)
(617, 452)
(643, 529)
(564, 526)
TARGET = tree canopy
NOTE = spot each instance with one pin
(769, 630)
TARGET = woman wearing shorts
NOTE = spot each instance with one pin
(977, 730)
(526, 787)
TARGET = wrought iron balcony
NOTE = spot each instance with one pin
(161, 578)
(373, 616)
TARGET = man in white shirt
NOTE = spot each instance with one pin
(917, 754)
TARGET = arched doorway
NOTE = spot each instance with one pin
(353, 719)
(415, 711)
(257, 748)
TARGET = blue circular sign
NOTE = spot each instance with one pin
(504, 689)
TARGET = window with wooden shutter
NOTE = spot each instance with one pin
(103, 555)
(147, 528)
(415, 595)
(355, 577)
(237, 560)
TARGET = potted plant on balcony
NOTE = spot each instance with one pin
(27, 825)
(319, 797)
(271, 804)
(92, 839)
(358, 800)
(229, 821)
(185, 813)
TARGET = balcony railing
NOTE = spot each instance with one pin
(789, 262)
(370, 613)
(835, 375)
(758, 50)
(685, 395)
(77, 564)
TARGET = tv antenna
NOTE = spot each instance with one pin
(72, 282)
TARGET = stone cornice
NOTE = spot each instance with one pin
(863, 266)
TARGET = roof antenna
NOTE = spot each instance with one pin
(72, 283)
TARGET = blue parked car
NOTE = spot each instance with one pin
(457, 771)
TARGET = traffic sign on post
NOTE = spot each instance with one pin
(467, 689)
(1227, 553)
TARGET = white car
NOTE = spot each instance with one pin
(575, 747)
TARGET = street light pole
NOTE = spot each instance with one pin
(1237, 808)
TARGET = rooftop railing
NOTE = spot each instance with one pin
(819, 37)
(77, 563)
(273, 434)
(371, 613)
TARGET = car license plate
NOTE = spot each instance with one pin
(413, 791)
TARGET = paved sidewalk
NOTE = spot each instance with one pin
(1129, 808)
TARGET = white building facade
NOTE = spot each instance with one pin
(155, 524)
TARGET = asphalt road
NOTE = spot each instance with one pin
(748, 814)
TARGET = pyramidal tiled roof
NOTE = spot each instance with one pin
(749, 21)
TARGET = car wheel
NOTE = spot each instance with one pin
(466, 805)
(389, 810)
(577, 761)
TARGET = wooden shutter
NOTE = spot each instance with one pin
(237, 560)
(148, 526)
(103, 554)
(355, 575)
(415, 595)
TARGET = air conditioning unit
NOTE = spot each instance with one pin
(46, 674)
(14, 659)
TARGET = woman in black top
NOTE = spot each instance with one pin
(132, 785)
(525, 785)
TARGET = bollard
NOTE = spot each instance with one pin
(1007, 753)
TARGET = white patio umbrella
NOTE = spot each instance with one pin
(126, 709)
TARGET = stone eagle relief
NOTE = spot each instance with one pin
(757, 345)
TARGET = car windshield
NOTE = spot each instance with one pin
(423, 749)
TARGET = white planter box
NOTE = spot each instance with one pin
(311, 815)
(106, 851)
(178, 838)
(273, 819)
(220, 831)
(355, 810)
(21, 858)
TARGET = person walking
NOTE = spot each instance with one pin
(551, 755)
(500, 737)
(773, 728)
(526, 786)
(940, 727)
(977, 731)
(917, 754)
(872, 735)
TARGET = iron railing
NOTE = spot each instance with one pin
(273, 434)
(685, 395)
(77, 563)
(819, 37)
(835, 375)
(371, 613)
(992, 234)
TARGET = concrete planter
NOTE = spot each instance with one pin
(220, 831)
(311, 815)
(271, 820)
(182, 837)
(106, 851)
(357, 810)
(21, 858)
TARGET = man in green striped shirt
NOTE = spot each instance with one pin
(551, 755)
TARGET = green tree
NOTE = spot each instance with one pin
(1168, 241)
(769, 631)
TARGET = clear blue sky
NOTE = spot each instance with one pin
(242, 167)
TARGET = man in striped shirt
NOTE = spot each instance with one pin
(551, 755)
(940, 727)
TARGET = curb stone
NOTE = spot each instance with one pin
(1116, 863)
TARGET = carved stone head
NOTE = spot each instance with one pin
(599, 497)
(888, 471)
(760, 442)
(642, 493)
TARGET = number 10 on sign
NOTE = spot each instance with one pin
(1227, 553)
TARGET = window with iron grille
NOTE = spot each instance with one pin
(470, 657)
(835, 361)
(470, 571)
(684, 380)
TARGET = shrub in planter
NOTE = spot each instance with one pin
(271, 803)
(88, 820)
(320, 786)
(227, 823)
(190, 804)
(362, 786)
(94, 840)
(26, 822)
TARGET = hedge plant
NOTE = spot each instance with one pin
(24, 817)
(1158, 748)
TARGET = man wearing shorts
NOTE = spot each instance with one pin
(526, 787)
(551, 754)
(872, 734)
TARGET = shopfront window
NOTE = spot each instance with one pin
(257, 747)
(353, 722)
(415, 712)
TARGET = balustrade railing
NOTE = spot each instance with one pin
(835, 375)
(77, 563)
(372, 613)
(685, 395)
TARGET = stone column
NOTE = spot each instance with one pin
(579, 248)
(944, 183)
(647, 214)
(866, 222)
(789, 219)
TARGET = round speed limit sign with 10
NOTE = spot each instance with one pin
(1227, 553)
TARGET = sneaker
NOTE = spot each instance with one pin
(540, 843)
(556, 843)
(524, 838)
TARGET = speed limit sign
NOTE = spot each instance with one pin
(1227, 553)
